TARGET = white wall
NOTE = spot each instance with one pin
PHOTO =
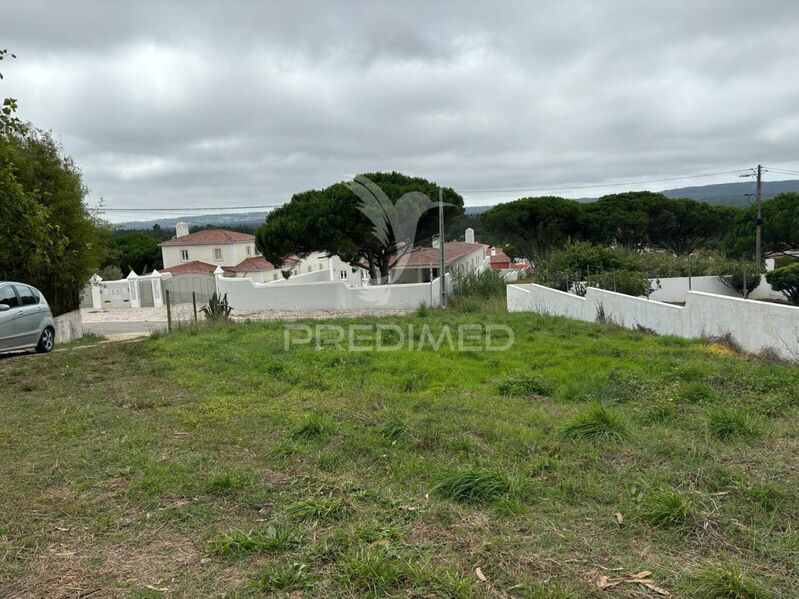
(232, 253)
(754, 325)
(68, 327)
(302, 293)
(675, 289)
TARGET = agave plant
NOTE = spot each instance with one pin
(217, 308)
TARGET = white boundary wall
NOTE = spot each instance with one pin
(675, 289)
(245, 295)
(754, 325)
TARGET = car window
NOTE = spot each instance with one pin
(26, 295)
(8, 297)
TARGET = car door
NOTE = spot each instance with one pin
(8, 334)
(29, 325)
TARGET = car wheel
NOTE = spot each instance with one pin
(46, 341)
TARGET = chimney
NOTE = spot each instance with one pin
(436, 243)
(469, 235)
(181, 228)
(493, 252)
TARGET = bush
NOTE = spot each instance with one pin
(786, 280)
(734, 277)
(217, 310)
(622, 281)
(486, 284)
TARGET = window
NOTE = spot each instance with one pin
(344, 275)
(217, 254)
(8, 297)
(26, 296)
(249, 250)
(184, 255)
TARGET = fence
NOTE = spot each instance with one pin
(755, 326)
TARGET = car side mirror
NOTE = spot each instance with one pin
(4, 307)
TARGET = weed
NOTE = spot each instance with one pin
(325, 509)
(695, 392)
(236, 543)
(395, 429)
(668, 508)
(313, 427)
(596, 424)
(729, 423)
(373, 572)
(284, 576)
(727, 581)
(477, 485)
(525, 384)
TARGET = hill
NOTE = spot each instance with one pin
(724, 194)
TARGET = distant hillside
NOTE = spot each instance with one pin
(725, 194)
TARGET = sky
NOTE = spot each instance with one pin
(211, 104)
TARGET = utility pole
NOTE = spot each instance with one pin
(441, 264)
(757, 173)
(759, 202)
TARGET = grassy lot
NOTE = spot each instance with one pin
(214, 463)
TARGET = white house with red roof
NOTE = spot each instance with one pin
(217, 247)
(421, 265)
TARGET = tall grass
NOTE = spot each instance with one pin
(477, 485)
(596, 424)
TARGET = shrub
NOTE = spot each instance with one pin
(734, 277)
(727, 581)
(596, 424)
(668, 507)
(217, 310)
(728, 423)
(477, 485)
(485, 285)
(627, 282)
(786, 280)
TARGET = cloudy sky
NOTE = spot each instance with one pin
(169, 104)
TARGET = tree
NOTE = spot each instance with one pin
(530, 227)
(786, 280)
(134, 250)
(683, 226)
(50, 238)
(374, 221)
(628, 282)
(780, 227)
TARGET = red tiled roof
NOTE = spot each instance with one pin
(253, 264)
(257, 263)
(195, 266)
(210, 236)
(453, 250)
(500, 256)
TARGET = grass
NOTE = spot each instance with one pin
(212, 462)
(727, 581)
(477, 485)
(596, 424)
(237, 543)
(732, 423)
(669, 508)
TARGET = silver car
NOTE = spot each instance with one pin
(25, 319)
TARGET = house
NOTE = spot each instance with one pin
(218, 247)
(422, 264)
(499, 259)
(261, 270)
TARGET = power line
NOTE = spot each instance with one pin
(781, 171)
(527, 189)
(185, 209)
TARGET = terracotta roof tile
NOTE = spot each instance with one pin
(210, 236)
(453, 250)
(195, 266)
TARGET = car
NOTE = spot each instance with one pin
(25, 319)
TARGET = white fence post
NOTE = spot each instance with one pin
(97, 300)
(133, 283)
(158, 292)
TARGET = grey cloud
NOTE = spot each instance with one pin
(209, 103)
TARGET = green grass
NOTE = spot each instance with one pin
(669, 508)
(596, 424)
(727, 581)
(212, 462)
(236, 543)
(732, 423)
(477, 485)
